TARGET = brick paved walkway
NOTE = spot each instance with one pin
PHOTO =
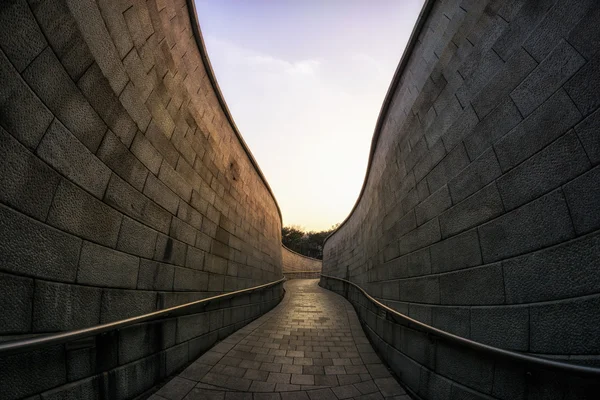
(310, 347)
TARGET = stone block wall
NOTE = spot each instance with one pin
(479, 212)
(125, 186)
(297, 266)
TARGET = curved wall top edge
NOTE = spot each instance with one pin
(213, 80)
(298, 254)
(412, 41)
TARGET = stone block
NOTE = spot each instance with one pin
(457, 252)
(176, 357)
(576, 259)
(191, 326)
(556, 164)
(101, 266)
(585, 37)
(134, 379)
(75, 211)
(136, 238)
(475, 176)
(155, 276)
(488, 66)
(16, 298)
(190, 280)
(96, 89)
(433, 205)
(141, 340)
(481, 207)
(22, 113)
(161, 142)
(117, 157)
(146, 153)
(28, 184)
(465, 287)
(549, 75)
(565, 327)
(587, 131)
(525, 19)
(584, 87)
(175, 182)
(34, 249)
(463, 126)
(434, 386)
(60, 28)
(538, 224)
(126, 199)
(494, 126)
(215, 264)
(60, 149)
(421, 290)
(188, 214)
(195, 258)
(449, 167)
(182, 231)
(465, 366)
(431, 158)
(456, 320)
(548, 122)
(503, 327)
(161, 194)
(21, 37)
(54, 86)
(26, 374)
(82, 389)
(63, 307)
(170, 250)
(424, 235)
(583, 196)
(503, 82)
(119, 304)
(556, 25)
(136, 109)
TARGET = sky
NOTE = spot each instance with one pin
(304, 81)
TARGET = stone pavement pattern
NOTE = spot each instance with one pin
(310, 347)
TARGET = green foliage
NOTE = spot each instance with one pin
(309, 244)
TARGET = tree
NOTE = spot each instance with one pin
(309, 244)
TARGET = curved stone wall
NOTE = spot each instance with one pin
(479, 211)
(296, 265)
(125, 187)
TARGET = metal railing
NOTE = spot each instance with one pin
(544, 363)
(24, 345)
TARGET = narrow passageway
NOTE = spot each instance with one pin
(311, 346)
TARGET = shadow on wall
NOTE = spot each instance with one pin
(479, 211)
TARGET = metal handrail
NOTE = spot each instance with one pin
(24, 345)
(580, 370)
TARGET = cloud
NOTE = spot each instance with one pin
(235, 55)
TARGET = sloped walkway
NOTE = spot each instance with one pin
(310, 347)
